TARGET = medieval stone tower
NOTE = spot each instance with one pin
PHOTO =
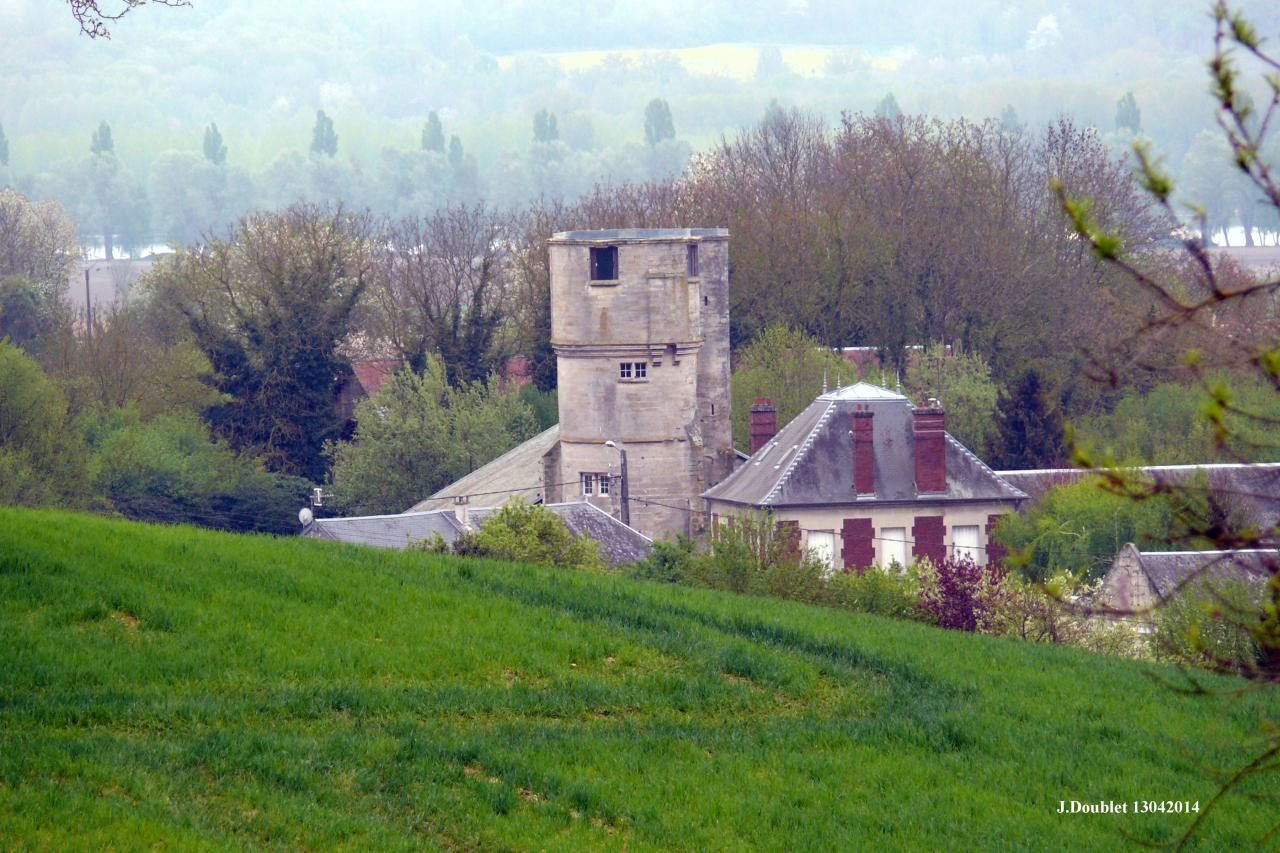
(640, 327)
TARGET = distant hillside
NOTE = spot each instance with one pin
(172, 688)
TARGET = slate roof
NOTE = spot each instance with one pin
(810, 461)
(1254, 488)
(618, 542)
(518, 472)
(1167, 569)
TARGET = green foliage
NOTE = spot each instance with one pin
(42, 458)
(418, 434)
(25, 316)
(214, 149)
(168, 469)
(1128, 116)
(101, 144)
(891, 592)
(522, 532)
(1029, 426)
(544, 405)
(324, 139)
(962, 383)
(1167, 425)
(888, 107)
(182, 688)
(786, 366)
(544, 126)
(658, 124)
(1211, 624)
(1077, 529)
(433, 134)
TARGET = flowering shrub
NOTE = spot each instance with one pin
(963, 596)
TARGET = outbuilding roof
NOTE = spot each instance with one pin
(618, 542)
(516, 473)
(810, 460)
(1167, 570)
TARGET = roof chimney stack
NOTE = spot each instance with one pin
(764, 423)
(928, 427)
(864, 473)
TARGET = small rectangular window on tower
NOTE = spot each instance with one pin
(693, 260)
(604, 263)
(633, 370)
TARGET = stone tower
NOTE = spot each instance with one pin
(640, 327)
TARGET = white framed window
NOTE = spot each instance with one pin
(893, 547)
(594, 484)
(964, 543)
(822, 545)
(633, 371)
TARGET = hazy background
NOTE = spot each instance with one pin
(261, 71)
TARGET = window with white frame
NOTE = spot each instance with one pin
(595, 483)
(893, 547)
(964, 543)
(822, 545)
(633, 371)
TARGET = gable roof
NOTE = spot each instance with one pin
(1166, 570)
(618, 542)
(810, 461)
(518, 472)
(373, 374)
(1254, 487)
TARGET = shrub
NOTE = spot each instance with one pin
(884, 592)
(531, 533)
(961, 595)
(1207, 625)
(668, 562)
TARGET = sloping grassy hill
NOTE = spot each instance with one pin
(185, 689)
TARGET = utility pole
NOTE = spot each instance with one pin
(626, 483)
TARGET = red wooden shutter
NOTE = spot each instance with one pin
(858, 546)
(929, 536)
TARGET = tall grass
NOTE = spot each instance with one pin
(164, 686)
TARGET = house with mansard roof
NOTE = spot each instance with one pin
(866, 477)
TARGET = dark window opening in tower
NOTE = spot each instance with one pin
(604, 263)
(693, 260)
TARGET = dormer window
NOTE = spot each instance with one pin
(604, 263)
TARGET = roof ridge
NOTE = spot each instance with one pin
(967, 452)
(802, 448)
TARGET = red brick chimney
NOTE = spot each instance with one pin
(764, 423)
(928, 425)
(864, 472)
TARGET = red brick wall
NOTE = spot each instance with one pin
(858, 547)
(928, 428)
(928, 536)
(763, 423)
(864, 472)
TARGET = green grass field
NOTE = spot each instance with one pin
(181, 689)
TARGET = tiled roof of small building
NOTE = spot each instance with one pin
(1167, 569)
(810, 460)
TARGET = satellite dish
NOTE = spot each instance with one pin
(305, 516)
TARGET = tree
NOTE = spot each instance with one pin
(658, 124)
(38, 244)
(418, 434)
(442, 291)
(101, 143)
(522, 532)
(4, 147)
(544, 126)
(93, 20)
(214, 151)
(962, 382)
(324, 140)
(42, 457)
(433, 134)
(1030, 426)
(25, 318)
(1009, 121)
(455, 152)
(1128, 116)
(269, 307)
(888, 108)
(786, 366)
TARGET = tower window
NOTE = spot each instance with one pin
(693, 260)
(604, 263)
(633, 370)
(595, 484)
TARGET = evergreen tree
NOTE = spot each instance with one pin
(1031, 433)
(888, 107)
(323, 138)
(214, 151)
(4, 147)
(433, 134)
(455, 151)
(658, 124)
(102, 144)
(544, 127)
(1128, 116)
